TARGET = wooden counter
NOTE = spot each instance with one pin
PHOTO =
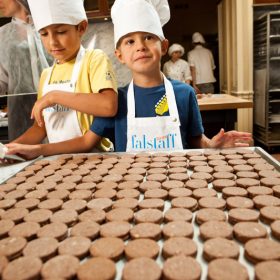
(220, 111)
(223, 102)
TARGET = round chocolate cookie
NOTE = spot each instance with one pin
(120, 214)
(127, 202)
(229, 269)
(78, 205)
(14, 214)
(212, 202)
(141, 248)
(127, 185)
(259, 190)
(269, 174)
(133, 270)
(156, 193)
(93, 215)
(178, 214)
(196, 184)
(223, 168)
(55, 230)
(66, 216)
(247, 182)
(247, 174)
(244, 231)
(261, 201)
(276, 191)
(243, 215)
(52, 204)
(223, 175)
(146, 230)
(156, 177)
(233, 191)
(213, 229)
(105, 193)
(179, 192)
(184, 202)
(23, 268)
(177, 229)
(16, 194)
(107, 247)
(239, 202)
(269, 270)
(40, 216)
(11, 247)
(202, 176)
(77, 246)
(275, 229)
(179, 246)
(172, 184)
(270, 214)
(27, 230)
(216, 248)
(149, 185)
(205, 169)
(63, 266)
(155, 203)
(219, 184)
(263, 166)
(87, 229)
(270, 182)
(205, 192)
(118, 229)
(148, 216)
(43, 248)
(181, 267)
(208, 214)
(132, 193)
(243, 168)
(262, 249)
(100, 204)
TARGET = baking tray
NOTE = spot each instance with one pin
(10, 171)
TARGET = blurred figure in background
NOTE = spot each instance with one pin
(22, 59)
(202, 65)
(177, 68)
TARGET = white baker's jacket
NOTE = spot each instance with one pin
(179, 70)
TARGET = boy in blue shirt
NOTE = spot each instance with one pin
(154, 113)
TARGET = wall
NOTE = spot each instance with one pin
(100, 36)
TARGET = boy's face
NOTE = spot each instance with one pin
(141, 52)
(62, 41)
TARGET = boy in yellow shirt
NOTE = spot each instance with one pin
(80, 85)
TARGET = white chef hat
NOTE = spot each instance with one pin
(47, 12)
(176, 47)
(198, 38)
(139, 16)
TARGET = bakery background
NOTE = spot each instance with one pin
(228, 30)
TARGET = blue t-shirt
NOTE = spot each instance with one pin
(151, 102)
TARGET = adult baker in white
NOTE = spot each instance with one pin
(202, 65)
(177, 68)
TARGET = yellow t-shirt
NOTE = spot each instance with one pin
(96, 73)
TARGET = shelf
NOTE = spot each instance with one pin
(274, 90)
(275, 58)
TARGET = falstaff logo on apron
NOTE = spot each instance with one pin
(57, 108)
(144, 142)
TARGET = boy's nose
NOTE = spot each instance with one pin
(141, 46)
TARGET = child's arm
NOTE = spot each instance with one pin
(222, 140)
(81, 144)
(34, 135)
(102, 104)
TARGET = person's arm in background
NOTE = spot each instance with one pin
(80, 144)
(188, 74)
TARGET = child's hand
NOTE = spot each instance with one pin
(25, 151)
(230, 139)
(39, 106)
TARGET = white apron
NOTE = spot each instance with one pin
(153, 133)
(61, 122)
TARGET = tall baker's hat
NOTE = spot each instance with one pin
(47, 12)
(139, 16)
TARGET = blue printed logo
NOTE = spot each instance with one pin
(154, 143)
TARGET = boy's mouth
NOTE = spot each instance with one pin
(57, 51)
(142, 57)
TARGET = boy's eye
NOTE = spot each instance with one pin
(129, 42)
(148, 37)
(61, 31)
(43, 34)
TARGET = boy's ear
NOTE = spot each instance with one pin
(164, 46)
(82, 27)
(118, 55)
